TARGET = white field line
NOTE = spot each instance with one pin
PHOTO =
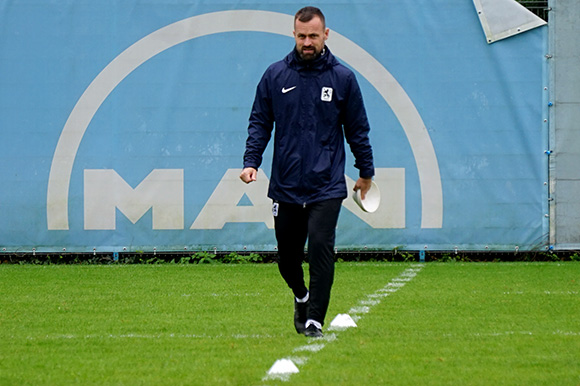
(150, 336)
(313, 347)
(508, 333)
(363, 307)
(543, 292)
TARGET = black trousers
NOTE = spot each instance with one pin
(294, 224)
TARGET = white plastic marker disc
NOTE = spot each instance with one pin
(372, 199)
(342, 321)
(283, 366)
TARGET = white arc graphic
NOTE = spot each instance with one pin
(231, 21)
(285, 90)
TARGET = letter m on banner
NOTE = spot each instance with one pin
(106, 191)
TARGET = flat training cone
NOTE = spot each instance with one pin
(372, 200)
(283, 366)
(342, 321)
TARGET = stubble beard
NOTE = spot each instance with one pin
(309, 56)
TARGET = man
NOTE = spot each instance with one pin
(315, 103)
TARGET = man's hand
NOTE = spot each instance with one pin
(364, 184)
(250, 174)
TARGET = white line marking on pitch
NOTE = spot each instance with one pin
(310, 347)
(283, 368)
(150, 336)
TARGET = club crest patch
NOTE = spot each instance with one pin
(326, 94)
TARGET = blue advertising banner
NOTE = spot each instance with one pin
(123, 125)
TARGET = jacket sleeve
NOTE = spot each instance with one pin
(356, 129)
(260, 125)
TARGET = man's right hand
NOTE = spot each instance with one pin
(248, 175)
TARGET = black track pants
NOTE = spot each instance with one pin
(316, 223)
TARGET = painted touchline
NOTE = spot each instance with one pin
(315, 345)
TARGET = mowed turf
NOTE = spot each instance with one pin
(474, 323)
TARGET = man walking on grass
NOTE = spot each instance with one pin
(315, 103)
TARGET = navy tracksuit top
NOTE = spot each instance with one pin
(314, 105)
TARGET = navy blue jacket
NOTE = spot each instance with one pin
(315, 106)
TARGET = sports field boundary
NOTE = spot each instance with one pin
(232, 257)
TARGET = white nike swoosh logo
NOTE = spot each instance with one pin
(285, 90)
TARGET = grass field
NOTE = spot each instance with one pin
(434, 324)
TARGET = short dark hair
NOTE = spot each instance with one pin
(308, 13)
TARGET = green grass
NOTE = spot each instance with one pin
(467, 324)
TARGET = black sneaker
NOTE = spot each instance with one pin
(313, 332)
(300, 313)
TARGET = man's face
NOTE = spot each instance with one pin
(310, 37)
